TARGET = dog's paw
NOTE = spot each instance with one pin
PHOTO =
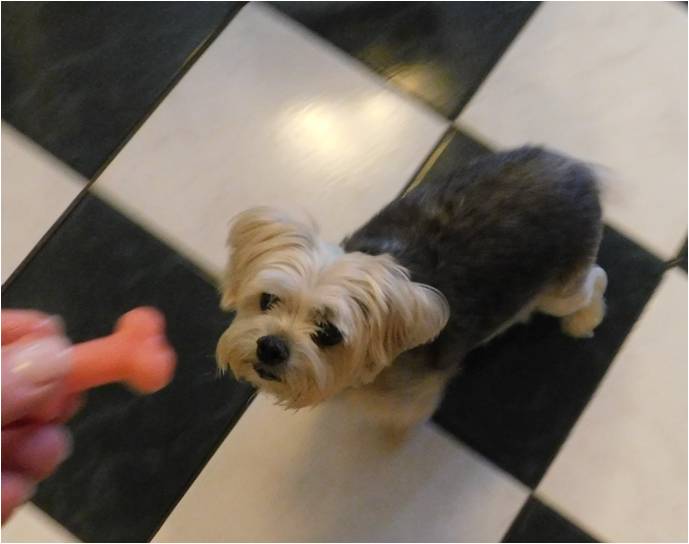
(395, 437)
(582, 323)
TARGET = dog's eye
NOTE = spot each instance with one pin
(327, 335)
(268, 301)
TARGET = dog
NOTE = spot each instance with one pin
(386, 317)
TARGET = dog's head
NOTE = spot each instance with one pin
(312, 320)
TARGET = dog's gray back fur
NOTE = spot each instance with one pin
(490, 237)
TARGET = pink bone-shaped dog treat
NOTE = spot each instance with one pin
(137, 353)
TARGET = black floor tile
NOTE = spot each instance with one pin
(538, 523)
(519, 396)
(438, 51)
(453, 149)
(681, 259)
(457, 151)
(134, 456)
(77, 77)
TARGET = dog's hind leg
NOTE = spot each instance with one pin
(580, 303)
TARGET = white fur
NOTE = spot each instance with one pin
(378, 309)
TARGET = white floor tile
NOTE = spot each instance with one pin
(36, 189)
(30, 524)
(326, 475)
(606, 82)
(269, 115)
(623, 470)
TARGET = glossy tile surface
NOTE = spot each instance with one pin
(341, 144)
(134, 456)
(30, 524)
(537, 522)
(623, 470)
(606, 82)
(77, 77)
(324, 475)
(36, 190)
(437, 51)
(330, 140)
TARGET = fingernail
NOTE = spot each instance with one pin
(52, 323)
(41, 361)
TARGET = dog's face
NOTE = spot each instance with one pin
(311, 320)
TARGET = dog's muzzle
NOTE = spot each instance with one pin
(272, 351)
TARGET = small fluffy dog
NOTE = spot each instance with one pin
(387, 316)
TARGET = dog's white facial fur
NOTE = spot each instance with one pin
(283, 281)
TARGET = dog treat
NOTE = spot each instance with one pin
(137, 353)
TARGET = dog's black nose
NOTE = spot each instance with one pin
(272, 350)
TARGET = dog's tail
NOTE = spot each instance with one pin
(609, 182)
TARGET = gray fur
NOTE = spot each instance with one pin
(490, 237)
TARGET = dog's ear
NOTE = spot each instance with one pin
(399, 314)
(255, 234)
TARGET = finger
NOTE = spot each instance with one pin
(19, 323)
(16, 490)
(70, 407)
(58, 408)
(35, 451)
(32, 374)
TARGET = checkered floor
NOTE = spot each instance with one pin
(132, 132)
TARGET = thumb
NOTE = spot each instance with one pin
(32, 374)
(16, 489)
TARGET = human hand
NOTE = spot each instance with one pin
(36, 358)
